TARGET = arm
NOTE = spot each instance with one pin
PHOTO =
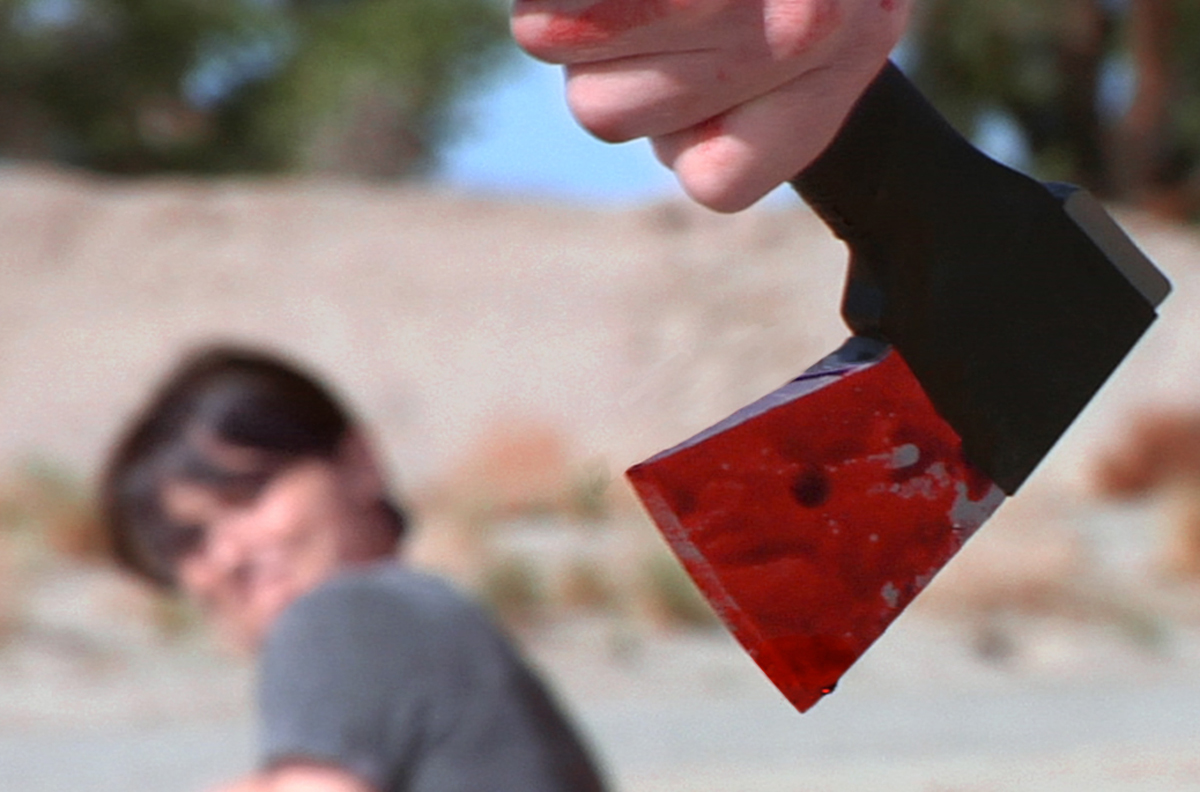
(737, 96)
(300, 777)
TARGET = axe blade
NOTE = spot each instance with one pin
(811, 518)
(987, 308)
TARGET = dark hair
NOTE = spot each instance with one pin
(220, 395)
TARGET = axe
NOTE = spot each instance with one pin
(986, 308)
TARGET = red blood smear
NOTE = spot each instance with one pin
(605, 20)
(811, 526)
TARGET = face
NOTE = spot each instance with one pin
(250, 555)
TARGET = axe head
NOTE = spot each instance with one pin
(811, 518)
(988, 310)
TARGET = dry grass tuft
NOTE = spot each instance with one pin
(43, 501)
(669, 598)
(1159, 458)
(515, 590)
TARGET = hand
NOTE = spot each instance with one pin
(299, 777)
(737, 96)
(254, 783)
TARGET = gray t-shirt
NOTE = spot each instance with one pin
(393, 676)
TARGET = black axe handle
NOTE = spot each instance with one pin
(1011, 300)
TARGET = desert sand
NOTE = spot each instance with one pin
(1051, 655)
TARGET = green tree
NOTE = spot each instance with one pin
(364, 87)
(1105, 93)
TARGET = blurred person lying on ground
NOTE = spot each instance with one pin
(247, 486)
(736, 96)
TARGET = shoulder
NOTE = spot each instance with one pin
(385, 580)
(388, 606)
(381, 590)
(362, 652)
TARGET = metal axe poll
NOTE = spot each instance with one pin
(987, 309)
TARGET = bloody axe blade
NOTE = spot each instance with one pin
(987, 310)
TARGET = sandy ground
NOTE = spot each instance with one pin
(1077, 708)
(1045, 658)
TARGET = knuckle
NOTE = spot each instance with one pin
(534, 34)
(603, 117)
(795, 27)
(610, 128)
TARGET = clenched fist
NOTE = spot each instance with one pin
(737, 96)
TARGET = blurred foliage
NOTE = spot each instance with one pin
(44, 505)
(671, 596)
(359, 87)
(1104, 93)
(515, 590)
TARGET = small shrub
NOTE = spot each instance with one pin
(588, 498)
(45, 501)
(514, 591)
(587, 586)
(671, 597)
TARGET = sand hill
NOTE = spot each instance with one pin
(456, 322)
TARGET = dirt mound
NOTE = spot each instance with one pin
(434, 312)
(441, 315)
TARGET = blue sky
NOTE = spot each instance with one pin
(524, 140)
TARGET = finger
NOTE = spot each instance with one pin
(657, 95)
(665, 91)
(732, 161)
(584, 31)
